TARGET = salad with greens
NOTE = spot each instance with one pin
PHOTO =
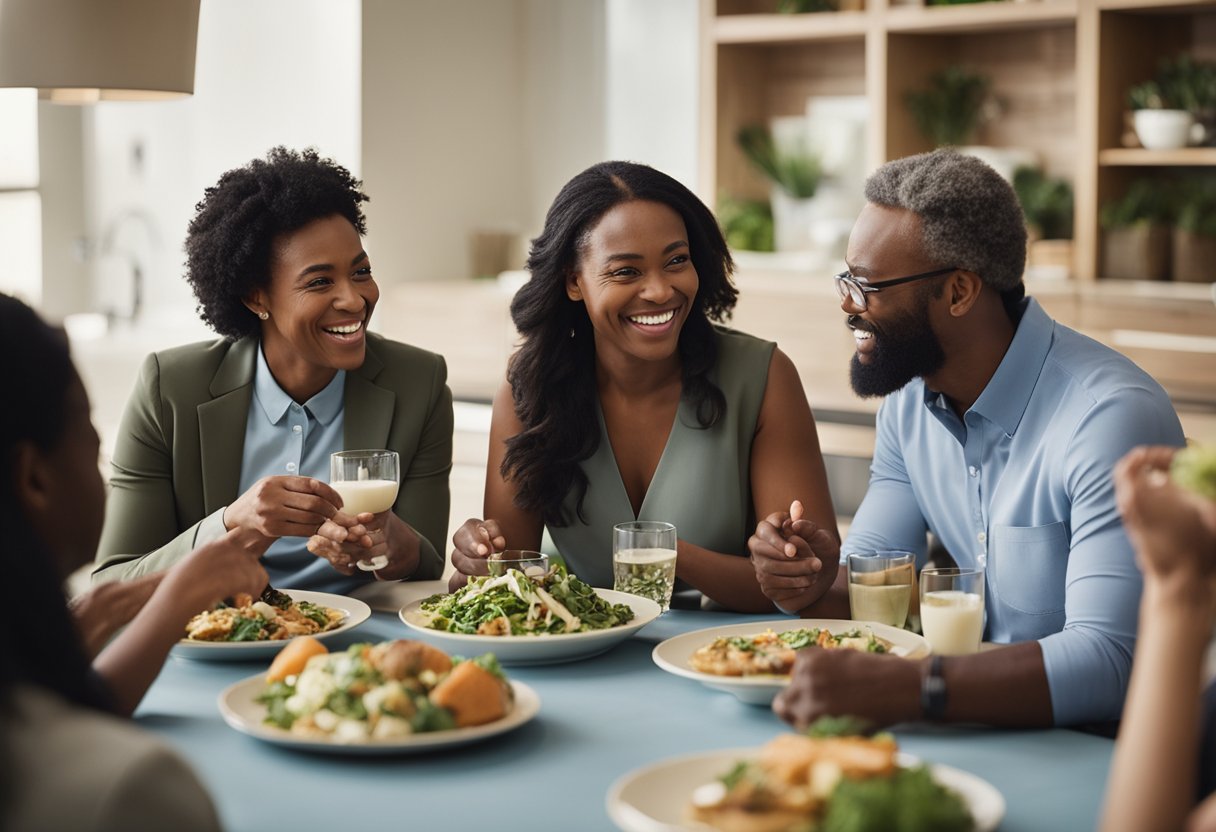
(515, 604)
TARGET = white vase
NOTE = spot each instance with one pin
(792, 219)
(1163, 129)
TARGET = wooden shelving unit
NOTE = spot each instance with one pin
(1061, 67)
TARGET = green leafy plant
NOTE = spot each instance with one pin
(1181, 83)
(747, 224)
(795, 170)
(803, 6)
(1197, 209)
(1046, 202)
(949, 112)
(1146, 201)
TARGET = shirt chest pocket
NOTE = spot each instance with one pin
(1028, 565)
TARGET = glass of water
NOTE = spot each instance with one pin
(644, 560)
(880, 586)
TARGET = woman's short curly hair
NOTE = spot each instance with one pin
(228, 243)
(970, 216)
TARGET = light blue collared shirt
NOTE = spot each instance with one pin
(1022, 485)
(289, 439)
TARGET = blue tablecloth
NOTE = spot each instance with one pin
(599, 719)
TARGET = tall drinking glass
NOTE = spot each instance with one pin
(952, 609)
(880, 586)
(644, 560)
(367, 481)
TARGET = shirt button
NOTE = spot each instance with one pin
(973, 471)
(981, 537)
(291, 466)
(296, 428)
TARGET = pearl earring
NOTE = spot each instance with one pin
(264, 315)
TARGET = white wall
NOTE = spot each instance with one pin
(566, 66)
(267, 73)
(652, 92)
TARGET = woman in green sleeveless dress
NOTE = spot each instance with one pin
(625, 401)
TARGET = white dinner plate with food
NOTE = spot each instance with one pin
(355, 613)
(241, 709)
(673, 655)
(548, 648)
(655, 798)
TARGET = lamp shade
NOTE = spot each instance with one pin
(78, 51)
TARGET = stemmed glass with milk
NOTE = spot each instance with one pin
(367, 482)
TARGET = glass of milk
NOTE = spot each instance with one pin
(880, 586)
(367, 481)
(644, 560)
(952, 609)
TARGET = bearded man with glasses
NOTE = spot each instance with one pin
(998, 435)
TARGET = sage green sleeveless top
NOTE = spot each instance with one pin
(702, 484)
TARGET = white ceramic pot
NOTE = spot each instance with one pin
(1163, 129)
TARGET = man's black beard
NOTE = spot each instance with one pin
(904, 349)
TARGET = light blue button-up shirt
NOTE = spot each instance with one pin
(289, 439)
(1022, 486)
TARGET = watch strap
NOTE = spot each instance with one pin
(933, 692)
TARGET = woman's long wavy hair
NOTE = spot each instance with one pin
(552, 375)
(46, 651)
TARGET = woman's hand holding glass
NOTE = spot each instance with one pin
(283, 506)
(346, 541)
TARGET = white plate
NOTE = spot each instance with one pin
(232, 651)
(653, 798)
(672, 655)
(240, 708)
(542, 649)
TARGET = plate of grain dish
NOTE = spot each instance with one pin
(528, 620)
(797, 783)
(249, 628)
(395, 697)
(753, 661)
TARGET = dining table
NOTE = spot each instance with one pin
(600, 718)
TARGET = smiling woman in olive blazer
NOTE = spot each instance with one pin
(238, 433)
(178, 457)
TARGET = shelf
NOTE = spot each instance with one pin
(789, 28)
(1140, 157)
(982, 17)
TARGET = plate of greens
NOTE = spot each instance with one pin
(527, 621)
(344, 615)
(665, 796)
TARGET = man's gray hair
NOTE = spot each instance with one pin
(970, 216)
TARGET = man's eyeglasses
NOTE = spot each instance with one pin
(855, 290)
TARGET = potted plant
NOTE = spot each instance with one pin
(1047, 204)
(1160, 123)
(794, 171)
(1167, 108)
(1194, 250)
(1136, 238)
(953, 107)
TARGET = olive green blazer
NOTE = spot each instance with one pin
(179, 448)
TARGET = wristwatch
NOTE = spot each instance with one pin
(933, 692)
